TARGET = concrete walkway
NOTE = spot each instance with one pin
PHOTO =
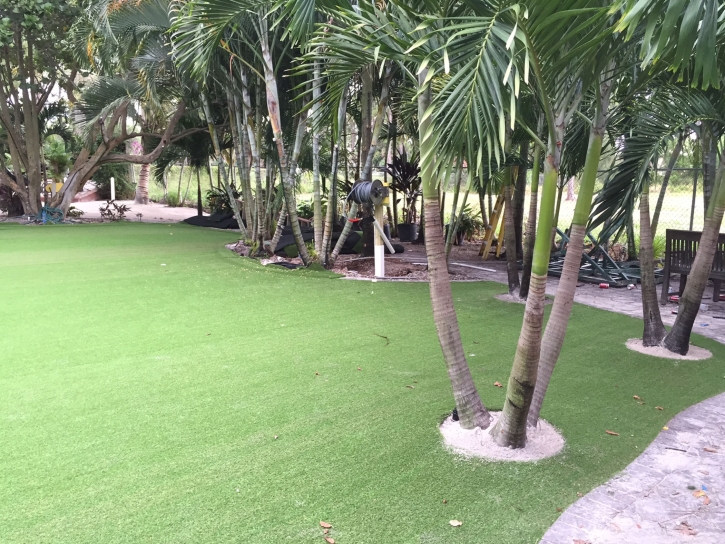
(671, 494)
(151, 212)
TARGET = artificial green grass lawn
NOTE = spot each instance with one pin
(140, 402)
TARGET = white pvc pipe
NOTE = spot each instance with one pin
(381, 232)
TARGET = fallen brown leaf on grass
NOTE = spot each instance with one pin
(325, 531)
(559, 509)
(612, 433)
(445, 501)
(497, 384)
(636, 397)
(317, 373)
(659, 408)
(329, 540)
(359, 368)
(710, 450)
(641, 402)
(455, 523)
(686, 529)
(325, 525)
(410, 387)
(579, 494)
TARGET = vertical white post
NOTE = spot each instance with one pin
(113, 189)
(379, 244)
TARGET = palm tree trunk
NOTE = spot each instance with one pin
(199, 210)
(278, 231)
(221, 168)
(457, 225)
(235, 123)
(555, 332)
(317, 196)
(709, 162)
(654, 329)
(678, 339)
(343, 236)
(332, 198)
(519, 197)
(531, 225)
(287, 170)
(512, 266)
(665, 182)
(510, 430)
(471, 411)
(454, 208)
(367, 171)
(142, 189)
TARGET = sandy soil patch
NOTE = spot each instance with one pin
(694, 354)
(542, 441)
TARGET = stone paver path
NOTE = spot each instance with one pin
(671, 494)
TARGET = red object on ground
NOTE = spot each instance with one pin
(355, 220)
(674, 298)
(604, 286)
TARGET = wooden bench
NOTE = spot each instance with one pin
(680, 253)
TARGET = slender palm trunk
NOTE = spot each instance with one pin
(665, 182)
(280, 226)
(654, 329)
(510, 430)
(678, 339)
(471, 411)
(220, 164)
(287, 167)
(519, 197)
(457, 225)
(367, 171)
(235, 123)
(316, 194)
(332, 198)
(343, 236)
(512, 266)
(709, 162)
(555, 333)
(142, 189)
(199, 209)
(531, 225)
(454, 209)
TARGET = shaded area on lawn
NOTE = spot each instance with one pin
(140, 402)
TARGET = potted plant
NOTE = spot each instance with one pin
(406, 180)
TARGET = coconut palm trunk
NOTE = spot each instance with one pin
(238, 138)
(678, 339)
(142, 189)
(471, 411)
(654, 330)
(555, 333)
(220, 164)
(531, 225)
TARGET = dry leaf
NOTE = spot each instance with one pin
(639, 526)
(665, 428)
(359, 368)
(706, 500)
(410, 387)
(497, 384)
(445, 501)
(686, 529)
(659, 408)
(325, 531)
(579, 494)
(698, 494)
(612, 433)
(580, 541)
(641, 402)
(559, 509)
(325, 525)
(276, 437)
(317, 373)
(636, 397)
(329, 540)
(455, 523)
(710, 450)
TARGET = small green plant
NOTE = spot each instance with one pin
(114, 212)
(74, 212)
(172, 200)
(470, 224)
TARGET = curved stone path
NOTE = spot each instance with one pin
(671, 494)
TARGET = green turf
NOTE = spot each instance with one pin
(140, 402)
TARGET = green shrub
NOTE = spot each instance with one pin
(125, 190)
(172, 199)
